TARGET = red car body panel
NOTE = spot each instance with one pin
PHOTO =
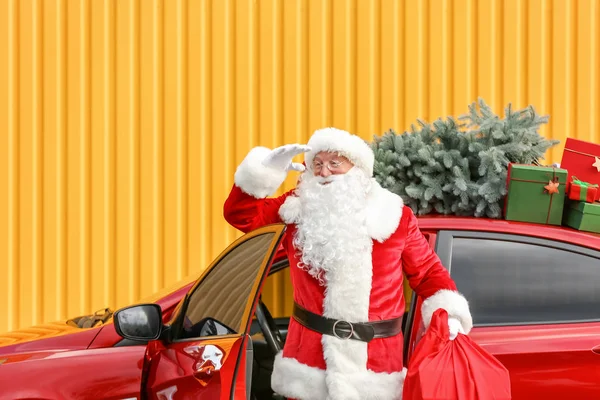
(565, 351)
(82, 364)
(180, 372)
(78, 374)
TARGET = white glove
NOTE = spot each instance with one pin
(281, 157)
(455, 327)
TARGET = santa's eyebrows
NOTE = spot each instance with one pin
(334, 157)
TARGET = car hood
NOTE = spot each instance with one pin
(7, 359)
(50, 336)
(79, 333)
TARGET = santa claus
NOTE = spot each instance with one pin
(349, 243)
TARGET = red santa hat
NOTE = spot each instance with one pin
(350, 146)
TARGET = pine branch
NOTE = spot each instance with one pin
(459, 166)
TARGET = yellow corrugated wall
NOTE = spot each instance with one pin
(122, 121)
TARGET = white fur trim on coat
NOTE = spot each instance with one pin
(254, 178)
(453, 302)
(350, 146)
(347, 297)
(299, 381)
(384, 211)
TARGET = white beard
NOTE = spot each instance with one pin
(332, 233)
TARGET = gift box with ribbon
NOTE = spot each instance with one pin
(582, 159)
(583, 191)
(582, 216)
(535, 194)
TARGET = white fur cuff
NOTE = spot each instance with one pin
(453, 302)
(254, 178)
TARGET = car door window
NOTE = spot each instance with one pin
(511, 279)
(218, 304)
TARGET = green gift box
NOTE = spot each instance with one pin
(582, 216)
(535, 194)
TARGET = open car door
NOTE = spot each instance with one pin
(209, 352)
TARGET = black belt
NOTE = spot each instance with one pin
(363, 331)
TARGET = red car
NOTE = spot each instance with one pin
(534, 292)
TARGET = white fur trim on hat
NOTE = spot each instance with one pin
(254, 178)
(453, 302)
(300, 381)
(350, 146)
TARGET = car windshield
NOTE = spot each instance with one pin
(104, 315)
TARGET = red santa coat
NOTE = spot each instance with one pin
(315, 366)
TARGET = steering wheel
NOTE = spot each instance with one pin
(269, 328)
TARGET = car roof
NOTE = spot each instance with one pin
(555, 232)
(435, 222)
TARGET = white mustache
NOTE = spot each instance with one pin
(332, 178)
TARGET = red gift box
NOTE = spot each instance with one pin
(583, 191)
(582, 159)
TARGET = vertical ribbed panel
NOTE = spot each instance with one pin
(122, 122)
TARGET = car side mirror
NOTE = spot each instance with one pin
(139, 322)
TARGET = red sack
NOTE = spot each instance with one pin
(459, 369)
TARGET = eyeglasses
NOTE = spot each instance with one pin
(332, 166)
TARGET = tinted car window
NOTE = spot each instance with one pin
(508, 282)
(217, 305)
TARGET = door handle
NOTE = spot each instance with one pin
(205, 374)
(596, 349)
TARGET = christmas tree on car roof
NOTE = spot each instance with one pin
(459, 166)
